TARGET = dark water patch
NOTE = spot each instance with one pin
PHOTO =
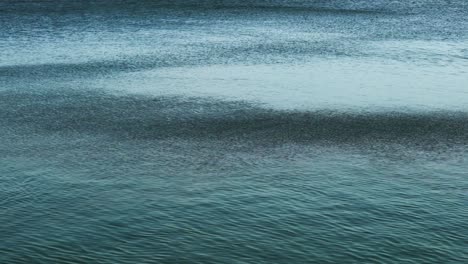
(288, 9)
(138, 117)
(80, 69)
(187, 54)
(346, 5)
(63, 7)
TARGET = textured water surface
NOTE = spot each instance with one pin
(234, 131)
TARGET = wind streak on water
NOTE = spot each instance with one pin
(141, 117)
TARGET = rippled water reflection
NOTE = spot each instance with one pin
(233, 131)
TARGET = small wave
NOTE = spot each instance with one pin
(139, 117)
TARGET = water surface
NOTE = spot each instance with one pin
(233, 131)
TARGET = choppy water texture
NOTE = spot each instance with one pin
(234, 131)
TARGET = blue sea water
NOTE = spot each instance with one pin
(234, 131)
